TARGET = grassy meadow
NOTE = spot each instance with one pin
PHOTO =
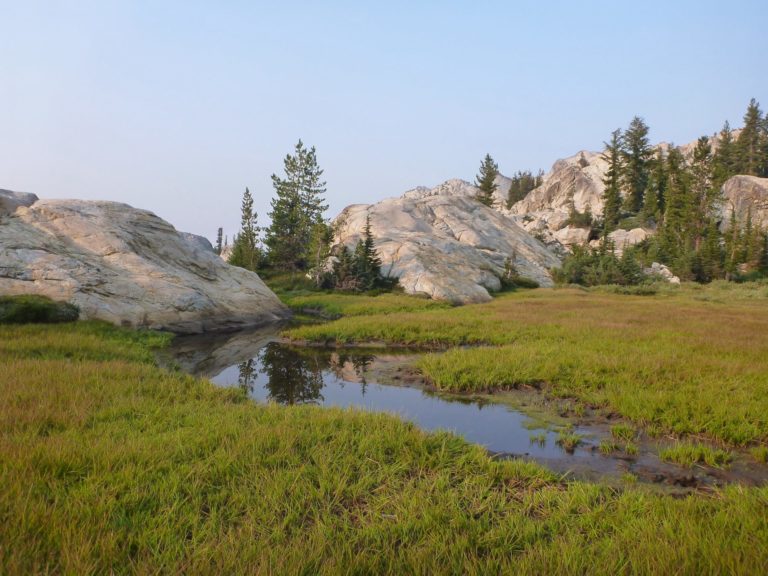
(111, 465)
(691, 361)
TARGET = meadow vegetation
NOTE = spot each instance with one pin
(688, 361)
(688, 454)
(111, 465)
(32, 308)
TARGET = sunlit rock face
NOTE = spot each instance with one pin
(745, 196)
(443, 243)
(125, 266)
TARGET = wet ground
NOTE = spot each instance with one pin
(518, 424)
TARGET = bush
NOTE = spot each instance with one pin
(595, 267)
(28, 308)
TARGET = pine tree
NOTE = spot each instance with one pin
(612, 182)
(319, 251)
(763, 262)
(732, 246)
(749, 144)
(486, 180)
(219, 236)
(344, 270)
(751, 243)
(704, 197)
(637, 153)
(245, 251)
(653, 205)
(521, 183)
(675, 230)
(725, 156)
(367, 261)
(297, 207)
(711, 256)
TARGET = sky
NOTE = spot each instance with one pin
(176, 106)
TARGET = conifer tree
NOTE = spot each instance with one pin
(733, 245)
(245, 251)
(318, 252)
(711, 256)
(219, 237)
(486, 180)
(344, 269)
(297, 207)
(653, 205)
(675, 230)
(750, 143)
(612, 181)
(637, 153)
(763, 262)
(521, 183)
(725, 156)
(367, 261)
(704, 196)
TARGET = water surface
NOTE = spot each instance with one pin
(383, 380)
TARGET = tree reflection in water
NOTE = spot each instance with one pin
(295, 376)
(292, 378)
(247, 376)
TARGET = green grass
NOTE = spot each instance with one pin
(568, 440)
(688, 454)
(27, 308)
(760, 453)
(337, 304)
(539, 438)
(693, 361)
(623, 432)
(110, 465)
(608, 446)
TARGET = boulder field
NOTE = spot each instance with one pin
(126, 266)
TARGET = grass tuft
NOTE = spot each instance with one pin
(689, 454)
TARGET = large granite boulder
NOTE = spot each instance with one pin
(745, 195)
(443, 243)
(125, 266)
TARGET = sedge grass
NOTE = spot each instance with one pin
(109, 465)
(672, 363)
(688, 454)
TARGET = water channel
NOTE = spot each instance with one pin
(384, 380)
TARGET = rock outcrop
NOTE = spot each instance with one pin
(574, 184)
(125, 266)
(443, 243)
(745, 195)
(661, 272)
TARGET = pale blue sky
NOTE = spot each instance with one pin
(176, 106)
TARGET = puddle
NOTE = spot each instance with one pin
(271, 371)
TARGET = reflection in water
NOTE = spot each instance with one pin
(269, 371)
(291, 378)
(246, 376)
(295, 376)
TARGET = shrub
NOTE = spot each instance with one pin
(28, 308)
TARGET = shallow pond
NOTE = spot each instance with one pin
(383, 380)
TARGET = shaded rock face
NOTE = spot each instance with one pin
(126, 266)
(443, 243)
(745, 195)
